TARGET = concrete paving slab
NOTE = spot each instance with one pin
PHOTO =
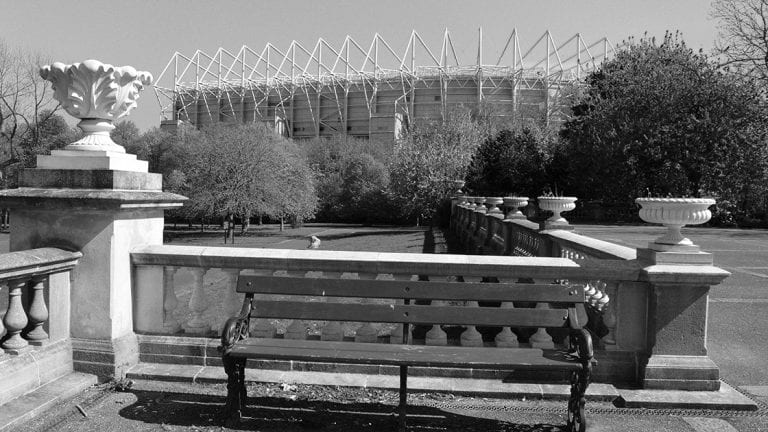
(39, 400)
(727, 398)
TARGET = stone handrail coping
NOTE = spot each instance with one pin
(525, 224)
(33, 262)
(592, 247)
(383, 263)
(100, 198)
(671, 274)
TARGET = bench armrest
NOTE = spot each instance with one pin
(236, 328)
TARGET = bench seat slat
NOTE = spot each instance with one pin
(419, 290)
(413, 314)
(411, 355)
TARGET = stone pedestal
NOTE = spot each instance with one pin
(103, 213)
(677, 318)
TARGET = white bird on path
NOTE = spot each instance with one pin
(314, 243)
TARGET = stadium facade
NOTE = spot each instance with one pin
(370, 90)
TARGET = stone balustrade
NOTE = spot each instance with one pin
(35, 310)
(634, 319)
(188, 291)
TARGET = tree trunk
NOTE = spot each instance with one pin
(246, 223)
(282, 224)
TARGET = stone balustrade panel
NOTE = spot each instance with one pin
(34, 298)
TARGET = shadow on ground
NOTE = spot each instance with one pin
(269, 413)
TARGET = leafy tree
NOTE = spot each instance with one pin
(663, 119)
(514, 161)
(125, 133)
(427, 161)
(163, 150)
(351, 178)
(244, 170)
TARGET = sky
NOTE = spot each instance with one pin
(145, 34)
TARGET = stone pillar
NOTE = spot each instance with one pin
(94, 198)
(677, 322)
(680, 275)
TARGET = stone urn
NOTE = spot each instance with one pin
(493, 205)
(513, 205)
(557, 205)
(675, 213)
(479, 201)
(458, 185)
(98, 94)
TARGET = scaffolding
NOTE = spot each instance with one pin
(373, 91)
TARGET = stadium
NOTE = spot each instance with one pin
(370, 90)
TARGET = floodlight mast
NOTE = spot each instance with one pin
(371, 92)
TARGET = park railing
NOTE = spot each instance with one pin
(35, 310)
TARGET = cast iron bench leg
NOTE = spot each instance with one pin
(235, 390)
(576, 416)
(403, 398)
(582, 342)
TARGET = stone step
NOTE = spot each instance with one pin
(495, 388)
(37, 401)
(727, 398)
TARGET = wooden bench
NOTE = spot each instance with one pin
(566, 311)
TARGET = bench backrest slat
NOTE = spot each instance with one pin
(417, 290)
(414, 314)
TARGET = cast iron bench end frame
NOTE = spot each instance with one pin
(236, 329)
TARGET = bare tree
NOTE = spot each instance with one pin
(26, 102)
(743, 36)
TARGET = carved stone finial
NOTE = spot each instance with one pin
(97, 94)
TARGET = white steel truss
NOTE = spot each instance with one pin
(271, 82)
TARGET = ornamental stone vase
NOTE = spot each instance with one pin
(513, 205)
(675, 213)
(459, 184)
(557, 205)
(98, 94)
(493, 205)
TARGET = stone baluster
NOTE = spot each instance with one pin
(366, 332)
(332, 330)
(470, 336)
(2, 326)
(396, 335)
(198, 303)
(15, 319)
(297, 329)
(232, 302)
(506, 338)
(610, 303)
(170, 301)
(38, 312)
(541, 339)
(436, 335)
(262, 327)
